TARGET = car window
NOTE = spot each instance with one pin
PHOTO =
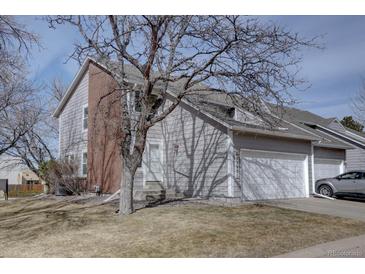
(350, 175)
(358, 175)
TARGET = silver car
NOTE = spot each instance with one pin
(347, 184)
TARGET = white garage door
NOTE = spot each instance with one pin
(327, 168)
(272, 175)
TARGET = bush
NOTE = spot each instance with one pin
(62, 176)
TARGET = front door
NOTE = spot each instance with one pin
(154, 163)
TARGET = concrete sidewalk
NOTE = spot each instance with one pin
(353, 247)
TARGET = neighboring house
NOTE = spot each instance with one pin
(331, 128)
(206, 147)
(15, 172)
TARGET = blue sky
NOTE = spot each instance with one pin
(334, 72)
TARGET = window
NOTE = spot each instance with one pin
(237, 167)
(69, 158)
(231, 113)
(137, 101)
(85, 116)
(84, 163)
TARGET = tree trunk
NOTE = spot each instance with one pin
(126, 189)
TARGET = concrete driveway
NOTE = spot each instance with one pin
(340, 208)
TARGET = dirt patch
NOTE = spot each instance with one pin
(59, 227)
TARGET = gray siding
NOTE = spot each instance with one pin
(194, 154)
(249, 141)
(336, 126)
(355, 159)
(73, 140)
(275, 144)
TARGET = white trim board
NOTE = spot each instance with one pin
(230, 164)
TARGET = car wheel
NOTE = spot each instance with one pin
(325, 190)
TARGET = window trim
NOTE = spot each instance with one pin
(83, 117)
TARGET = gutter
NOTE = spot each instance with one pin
(319, 144)
(272, 133)
(326, 130)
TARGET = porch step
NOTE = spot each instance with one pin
(172, 194)
(153, 185)
(156, 194)
(146, 195)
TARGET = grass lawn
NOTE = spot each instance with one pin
(61, 228)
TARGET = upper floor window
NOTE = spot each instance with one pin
(85, 116)
(84, 163)
(69, 158)
(137, 101)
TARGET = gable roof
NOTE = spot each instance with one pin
(284, 128)
(317, 125)
(132, 75)
(84, 67)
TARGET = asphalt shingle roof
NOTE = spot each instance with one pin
(290, 122)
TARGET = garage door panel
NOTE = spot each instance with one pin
(326, 168)
(272, 175)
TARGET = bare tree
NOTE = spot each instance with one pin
(38, 143)
(57, 90)
(15, 45)
(15, 90)
(16, 116)
(240, 56)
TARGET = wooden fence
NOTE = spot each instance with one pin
(25, 190)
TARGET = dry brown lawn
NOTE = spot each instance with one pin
(64, 228)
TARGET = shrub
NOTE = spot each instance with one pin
(62, 175)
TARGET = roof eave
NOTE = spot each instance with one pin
(71, 88)
(318, 144)
(273, 133)
(342, 135)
